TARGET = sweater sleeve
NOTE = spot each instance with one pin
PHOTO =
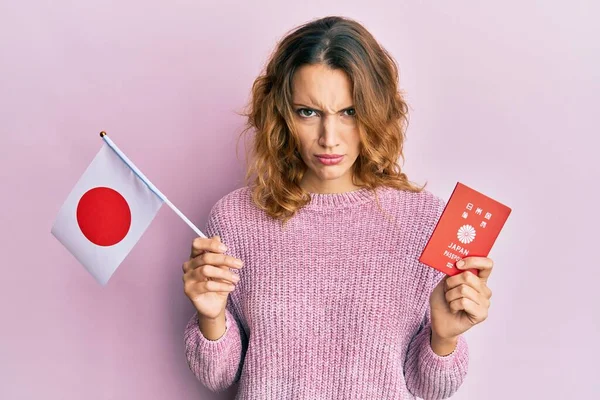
(428, 375)
(216, 363)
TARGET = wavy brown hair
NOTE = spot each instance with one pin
(275, 167)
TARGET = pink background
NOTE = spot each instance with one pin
(504, 98)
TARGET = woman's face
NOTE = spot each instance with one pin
(324, 116)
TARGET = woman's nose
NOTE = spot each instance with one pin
(328, 137)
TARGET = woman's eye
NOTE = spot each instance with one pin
(306, 112)
(302, 110)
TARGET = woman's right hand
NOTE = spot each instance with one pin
(207, 280)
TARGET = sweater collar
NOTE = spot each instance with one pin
(343, 199)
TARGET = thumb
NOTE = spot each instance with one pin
(218, 237)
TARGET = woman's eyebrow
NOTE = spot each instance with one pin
(316, 109)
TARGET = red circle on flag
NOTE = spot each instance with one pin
(103, 216)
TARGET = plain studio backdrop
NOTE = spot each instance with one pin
(503, 97)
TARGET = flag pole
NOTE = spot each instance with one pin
(153, 188)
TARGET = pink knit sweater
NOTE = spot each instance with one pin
(333, 306)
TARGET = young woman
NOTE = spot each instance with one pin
(331, 301)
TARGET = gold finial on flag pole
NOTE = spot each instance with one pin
(102, 134)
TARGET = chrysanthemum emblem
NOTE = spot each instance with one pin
(466, 234)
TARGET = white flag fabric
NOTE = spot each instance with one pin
(105, 214)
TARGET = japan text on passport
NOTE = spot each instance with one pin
(468, 226)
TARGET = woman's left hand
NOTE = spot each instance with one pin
(461, 301)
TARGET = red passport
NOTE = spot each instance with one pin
(468, 226)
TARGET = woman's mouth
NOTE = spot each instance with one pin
(329, 159)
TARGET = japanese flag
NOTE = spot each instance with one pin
(105, 214)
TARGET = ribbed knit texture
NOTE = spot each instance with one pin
(333, 306)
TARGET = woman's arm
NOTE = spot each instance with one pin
(216, 363)
(434, 368)
(441, 346)
(212, 329)
(215, 349)
(430, 375)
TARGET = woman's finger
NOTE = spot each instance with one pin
(223, 274)
(465, 278)
(197, 280)
(476, 312)
(211, 272)
(483, 264)
(463, 291)
(186, 266)
(213, 244)
(214, 286)
(488, 292)
(217, 259)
